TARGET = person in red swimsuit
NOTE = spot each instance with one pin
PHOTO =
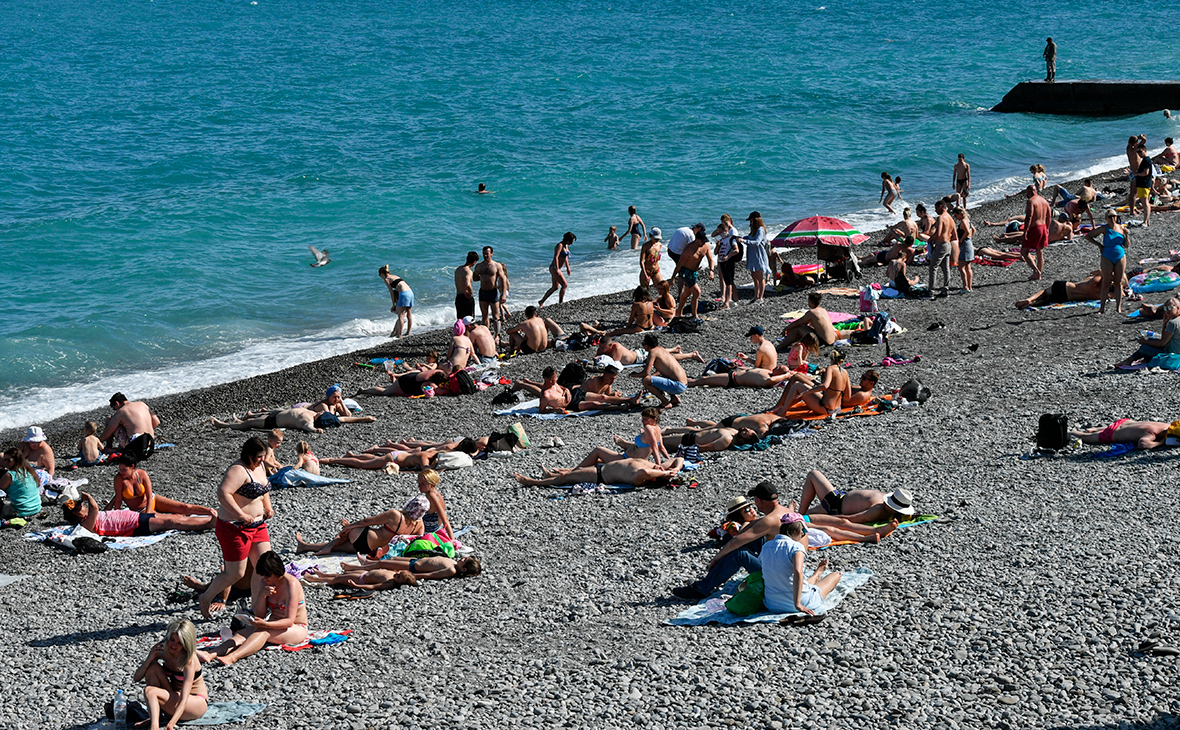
(1036, 232)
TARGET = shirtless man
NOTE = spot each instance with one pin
(858, 505)
(493, 289)
(1144, 434)
(744, 378)
(556, 398)
(962, 179)
(300, 419)
(766, 356)
(662, 375)
(37, 451)
(1058, 231)
(603, 383)
(464, 296)
(718, 438)
(940, 248)
(482, 341)
(643, 311)
(1086, 290)
(905, 232)
(633, 472)
(799, 390)
(1037, 215)
(134, 417)
(925, 222)
(816, 321)
(618, 352)
(532, 335)
(686, 268)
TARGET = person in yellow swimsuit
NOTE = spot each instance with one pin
(133, 490)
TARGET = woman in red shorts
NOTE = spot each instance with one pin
(244, 507)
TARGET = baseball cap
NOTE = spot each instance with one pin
(655, 233)
(765, 490)
(755, 330)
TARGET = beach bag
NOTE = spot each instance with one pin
(720, 366)
(683, 326)
(868, 299)
(141, 447)
(453, 460)
(1052, 431)
(462, 383)
(503, 442)
(572, 375)
(429, 546)
(508, 397)
(748, 599)
(915, 392)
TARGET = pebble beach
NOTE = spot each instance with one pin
(1023, 606)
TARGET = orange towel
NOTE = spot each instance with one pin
(801, 412)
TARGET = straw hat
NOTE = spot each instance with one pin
(901, 502)
(736, 506)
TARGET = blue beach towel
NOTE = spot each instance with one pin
(219, 713)
(712, 610)
(532, 410)
(289, 476)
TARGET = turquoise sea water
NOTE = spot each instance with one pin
(164, 165)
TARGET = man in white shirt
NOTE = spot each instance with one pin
(786, 590)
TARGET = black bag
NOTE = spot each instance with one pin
(720, 366)
(684, 326)
(462, 383)
(706, 306)
(141, 447)
(88, 545)
(915, 392)
(876, 331)
(507, 397)
(1052, 432)
(137, 714)
(572, 375)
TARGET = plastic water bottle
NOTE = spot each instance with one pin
(120, 710)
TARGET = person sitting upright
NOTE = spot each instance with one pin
(816, 321)
(37, 450)
(649, 444)
(89, 448)
(532, 335)
(786, 590)
(280, 614)
(1167, 343)
(858, 505)
(133, 488)
(130, 420)
(21, 486)
(172, 672)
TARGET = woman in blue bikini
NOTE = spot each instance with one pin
(648, 444)
(1114, 257)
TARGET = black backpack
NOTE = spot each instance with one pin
(915, 392)
(684, 326)
(506, 397)
(572, 375)
(463, 383)
(1052, 432)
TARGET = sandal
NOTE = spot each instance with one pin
(803, 619)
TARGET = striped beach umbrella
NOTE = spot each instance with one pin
(818, 229)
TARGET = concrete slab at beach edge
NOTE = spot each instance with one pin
(1091, 97)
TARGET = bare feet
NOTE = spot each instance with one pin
(227, 660)
(193, 583)
(301, 546)
(205, 656)
(694, 355)
(885, 530)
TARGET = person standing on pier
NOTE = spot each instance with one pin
(1050, 55)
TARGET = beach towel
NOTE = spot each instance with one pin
(911, 522)
(984, 261)
(801, 412)
(63, 536)
(7, 580)
(219, 713)
(289, 476)
(712, 610)
(1093, 303)
(834, 316)
(840, 291)
(761, 444)
(314, 638)
(532, 409)
(1115, 451)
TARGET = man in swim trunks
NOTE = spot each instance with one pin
(482, 341)
(858, 505)
(961, 178)
(530, 336)
(1036, 232)
(632, 472)
(493, 289)
(662, 375)
(686, 268)
(1144, 434)
(464, 296)
(766, 356)
(133, 417)
(709, 439)
(300, 419)
(816, 321)
(759, 423)
(1060, 292)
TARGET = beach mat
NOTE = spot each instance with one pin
(801, 412)
(840, 291)
(912, 522)
(219, 713)
(314, 638)
(532, 410)
(984, 261)
(1093, 303)
(63, 536)
(712, 610)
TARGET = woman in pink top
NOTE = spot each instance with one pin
(126, 523)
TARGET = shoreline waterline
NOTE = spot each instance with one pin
(268, 356)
